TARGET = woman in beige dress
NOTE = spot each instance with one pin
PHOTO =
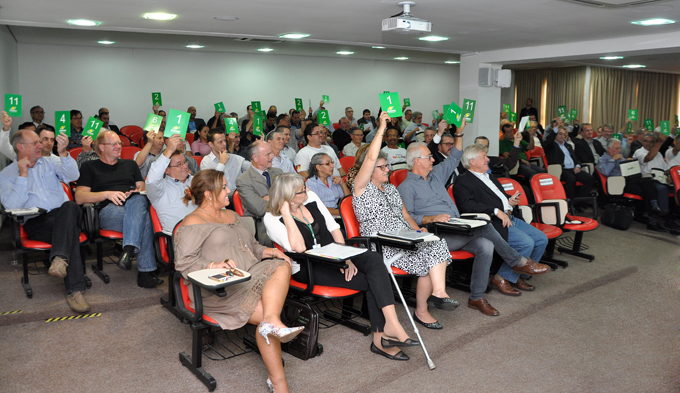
(213, 238)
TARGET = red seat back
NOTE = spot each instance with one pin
(128, 152)
(603, 182)
(449, 189)
(129, 130)
(75, 151)
(511, 186)
(347, 162)
(398, 176)
(190, 138)
(68, 191)
(349, 218)
(238, 204)
(125, 140)
(157, 227)
(136, 137)
(535, 152)
(547, 186)
(336, 126)
(675, 175)
(198, 161)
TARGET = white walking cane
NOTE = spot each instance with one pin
(388, 264)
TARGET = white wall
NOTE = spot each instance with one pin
(9, 71)
(87, 78)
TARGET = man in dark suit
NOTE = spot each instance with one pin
(194, 123)
(588, 150)
(557, 151)
(476, 191)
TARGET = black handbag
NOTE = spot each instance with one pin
(306, 344)
(617, 216)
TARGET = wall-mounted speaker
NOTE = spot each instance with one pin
(485, 77)
(503, 78)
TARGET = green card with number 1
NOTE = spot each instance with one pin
(256, 106)
(13, 105)
(156, 99)
(258, 125)
(389, 102)
(454, 114)
(469, 110)
(153, 123)
(177, 123)
(92, 127)
(62, 123)
(323, 118)
(298, 105)
(407, 102)
(666, 127)
(219, 107)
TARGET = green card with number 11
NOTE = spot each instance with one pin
(390, 103)
(62, 123)
(92, 127)
(469, 110)
(177, 123)
(13, 105)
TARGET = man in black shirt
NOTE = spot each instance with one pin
(342, 135)
(115, 183)
(528, 110)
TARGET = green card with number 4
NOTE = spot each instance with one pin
(13, 105)
(469, 110)
(389, 102)
(219, 107)
(153, 123)
(156, 99)
(649, 124)
(322, 118)
(407, 101)
(632, 114)
(177, 123)
(666, 127)
(92, 127)
(62, 123)
(298, 105)
(258, 125)
(454, 115)
(231, 124)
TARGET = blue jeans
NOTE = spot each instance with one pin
(133, 220)
(526, 240)
(662, 195)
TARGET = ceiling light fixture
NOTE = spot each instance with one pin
(401, 58)
(378, 47)
(611, 57)
(345, 52)
(653, 22)
(194, 46)
(294, 36)
(452, 62)
(226, 18)
(83, 22)
(634, 66)
(106, 42)
(159, 16)
(433, 38)
(265, 50)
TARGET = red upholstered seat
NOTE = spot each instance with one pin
(187, 302)
(110, 234)
(398, 176)
(632, 196)
(347, 162)
(603, 183)
(588, 224)
(324, 291)
(238, 204)
(128, 152)
(75, 151)
(38, 245)
(198, 160)
(551, 231)
(460, 254)
(129, 130)
(157, 227)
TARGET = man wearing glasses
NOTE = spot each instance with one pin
(76, 129)
(115, 183)
(38, 115)
(166, 182)
(316, 135)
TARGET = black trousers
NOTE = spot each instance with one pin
(61, 228)
(372, 278)
(643, 186)
(570, 178)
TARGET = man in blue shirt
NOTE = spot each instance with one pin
(34, 181)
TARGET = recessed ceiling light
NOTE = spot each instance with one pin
(401, 58)
(433, 38)
(452, 62)
(226, 18)
(294, 36)
(634, 66)
(194, 46)
(106, 42)
(265, 50)
(653, 22)
(83, 22)
(345, 52)
(159, 16)
(378, 47)
(611, 57)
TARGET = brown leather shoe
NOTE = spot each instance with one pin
(504, 287)
(523, 286)
(483, 306)
(532, 268)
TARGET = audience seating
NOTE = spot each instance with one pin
(552, 232)
(75, 151)
(165, 256)
(136, 138)
(552, 208)
(336, 126)
(535, 155)
(129, 130)
(398, 176)
(125, 140)
(128, 152)
(190, 138)
(198, 161)
(347, 162)
(98, 236)
(613, 186)
(238, 208)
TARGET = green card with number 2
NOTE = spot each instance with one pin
(322, 118)
(62, 123)
(177, 123)
(298, 104)
(389, 102)
(156, 99)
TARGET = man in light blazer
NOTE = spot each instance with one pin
(253, 185)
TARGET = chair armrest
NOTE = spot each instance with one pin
(538, 216)
(476, 216)
(168, 245)
(91, 218)
(592, 200)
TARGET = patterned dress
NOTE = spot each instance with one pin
(379, 211)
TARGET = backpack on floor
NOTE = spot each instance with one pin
(306, 344)
(617, 216)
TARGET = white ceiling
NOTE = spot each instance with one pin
(472, 26)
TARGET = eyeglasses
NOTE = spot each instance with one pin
(304, 191)
(40, 112)
(113, 143)
(179, 164)
(447, 144)
(317, 133)
(382, 167)
(331, 163)
(426, 157)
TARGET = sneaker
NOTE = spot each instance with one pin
(58, 267)
(77, 301)
(148, 280)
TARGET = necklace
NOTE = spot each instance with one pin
(219, 216)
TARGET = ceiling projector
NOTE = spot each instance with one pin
(405, 23)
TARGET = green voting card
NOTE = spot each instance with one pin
(562, 111)
(445, 111)
(258, 125)
(13, 105)
(298, 105)
(156, 99)
(469, 110)
(407, 102)
(649, 124)
(322, 118)
(676, 120)
(386, 92)
(326, 99)
(454, 115)
(219, 107)
(507, 108)
(666, 127)
(256, 106)
(153, 123)
(389, 102)
(62, 123)
(632, 114)
(92, 127)
(573, 114)
(435, 115)
(512, 116)
(231, 124)
(617, 136)
(177, 123)
(629, 128)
